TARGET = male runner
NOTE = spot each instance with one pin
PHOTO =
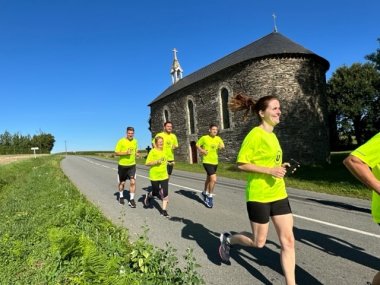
(127, 149)
(208, 146)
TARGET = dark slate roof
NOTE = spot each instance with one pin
(272, 44)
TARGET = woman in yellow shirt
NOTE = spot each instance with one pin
(261, 156)
(158, 175)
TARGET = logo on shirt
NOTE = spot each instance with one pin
(278, 157)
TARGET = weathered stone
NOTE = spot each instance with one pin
(297, 79)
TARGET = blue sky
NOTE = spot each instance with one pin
(84, 70)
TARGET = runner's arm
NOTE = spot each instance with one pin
(362, 172)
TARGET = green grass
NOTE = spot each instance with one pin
(331, 178)
(50, 234)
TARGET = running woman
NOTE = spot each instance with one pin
(364, 164)
(158, 175)
(261, 156)
(170, 144)
(127, 149)
(208, 146)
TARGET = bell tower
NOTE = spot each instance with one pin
(176, 70)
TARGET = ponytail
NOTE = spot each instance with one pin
(246, 103)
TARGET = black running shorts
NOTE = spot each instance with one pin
(260, 212)
(126, 172)
(160, 188)
(210, 168)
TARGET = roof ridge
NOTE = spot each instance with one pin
(272, 44)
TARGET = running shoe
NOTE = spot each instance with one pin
(165, 214)
(208, 202)
(132, 203)
(211, 202)
(224, 248)
(204, 195)
(147, 200)
(121, 200)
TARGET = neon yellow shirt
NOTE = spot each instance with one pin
(211, 145)
(157, 172)
(123, 145)
(263, 149)
(170, 142)
(369, 153)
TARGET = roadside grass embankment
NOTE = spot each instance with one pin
(332, 178)
(50, 234)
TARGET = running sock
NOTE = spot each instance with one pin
(132, 196)
(121, 194)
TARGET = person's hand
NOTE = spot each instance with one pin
(285, 164)
(278, 172)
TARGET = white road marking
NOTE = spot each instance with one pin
(296, 216)
(337, 226)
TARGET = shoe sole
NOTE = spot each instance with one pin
(146, 201)
(167, 216)
(208, 205)
(220, 248)
(220, 254)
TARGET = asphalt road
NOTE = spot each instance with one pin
(336, 239)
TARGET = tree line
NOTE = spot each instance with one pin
(353, 95)
(22, 144)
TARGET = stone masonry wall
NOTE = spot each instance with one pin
(298, 82)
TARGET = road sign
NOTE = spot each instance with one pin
(34, 150)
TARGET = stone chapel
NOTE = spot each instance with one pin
(272, 65)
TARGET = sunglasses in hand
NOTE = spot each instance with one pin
(293, 166)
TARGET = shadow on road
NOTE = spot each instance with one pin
(268, 258)
(341, 205)
(191, 195)
(153, 204)
(337, 247)
(208, 241)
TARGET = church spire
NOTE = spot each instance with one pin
(176, 70)
(274, 22)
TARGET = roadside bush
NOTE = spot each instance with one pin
(71, 242)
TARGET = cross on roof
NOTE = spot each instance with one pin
(274, 22)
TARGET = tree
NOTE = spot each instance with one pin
(353, 98)
(18, 144)
(375, 57)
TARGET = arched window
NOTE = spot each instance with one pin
(166, 114)
(190, 108)
(225, 111)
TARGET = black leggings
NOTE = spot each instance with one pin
(161, 189)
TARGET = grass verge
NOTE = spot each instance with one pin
(331, 178)
(50, 234)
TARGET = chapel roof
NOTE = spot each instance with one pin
(269, 45)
